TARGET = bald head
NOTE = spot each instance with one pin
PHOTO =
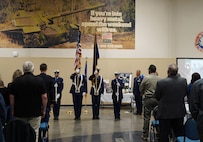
(172, 69)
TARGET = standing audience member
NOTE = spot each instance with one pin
(170, 93)
(147, 88)
(17, 73)
(58, 85)
(96, 90)
(196, 105)
(117, 95)
(195, 77)
(49, 86)
(136, 92)
(2, 117)
(78, 89)
(4, 93)
(28, 97)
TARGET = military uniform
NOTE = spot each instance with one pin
(136, 93)
(96, 90)
(58, 85)
(78, 89)
(117, 96)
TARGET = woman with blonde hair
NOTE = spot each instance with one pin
(17, 73)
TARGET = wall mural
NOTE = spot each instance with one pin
(55, 23)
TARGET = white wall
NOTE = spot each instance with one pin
(164, 29)
(188, 22)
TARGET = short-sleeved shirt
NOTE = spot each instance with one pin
(27, 91)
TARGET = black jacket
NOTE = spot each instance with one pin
(196, 103)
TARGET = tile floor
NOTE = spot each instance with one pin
(106, 129)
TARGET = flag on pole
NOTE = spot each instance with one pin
(78, 53)
(95, 54)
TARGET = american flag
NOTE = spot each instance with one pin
(78, 53)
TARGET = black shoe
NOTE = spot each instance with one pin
(97, 117)
(143, 138)
(137, 113)
(56, 118)
(117, 118)
(93, 118)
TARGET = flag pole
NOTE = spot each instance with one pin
(85, 110)
(85, 72)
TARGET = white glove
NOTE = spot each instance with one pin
(77, 70)
(118, 84)
(57, 96)
(55, 85)
(95, 72)
(84, 93)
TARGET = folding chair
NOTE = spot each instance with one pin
(154, 131)
(190, 132)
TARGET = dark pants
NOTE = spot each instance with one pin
(56, 108)
(200, 135)
(9, 114)
(77, 102)
(1, 132)
(168, 125)
(117, 107)
(95, 105)
(138, 101)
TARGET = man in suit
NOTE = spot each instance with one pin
(170, 93)
(78, 89)
(49, 86)
(96, 90)
(117, 95)
(58, 87)
(147, 88)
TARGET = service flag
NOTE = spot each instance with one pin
(95, 53)
(78, 53)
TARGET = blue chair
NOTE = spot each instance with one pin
(190, 132)
(154, 132)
